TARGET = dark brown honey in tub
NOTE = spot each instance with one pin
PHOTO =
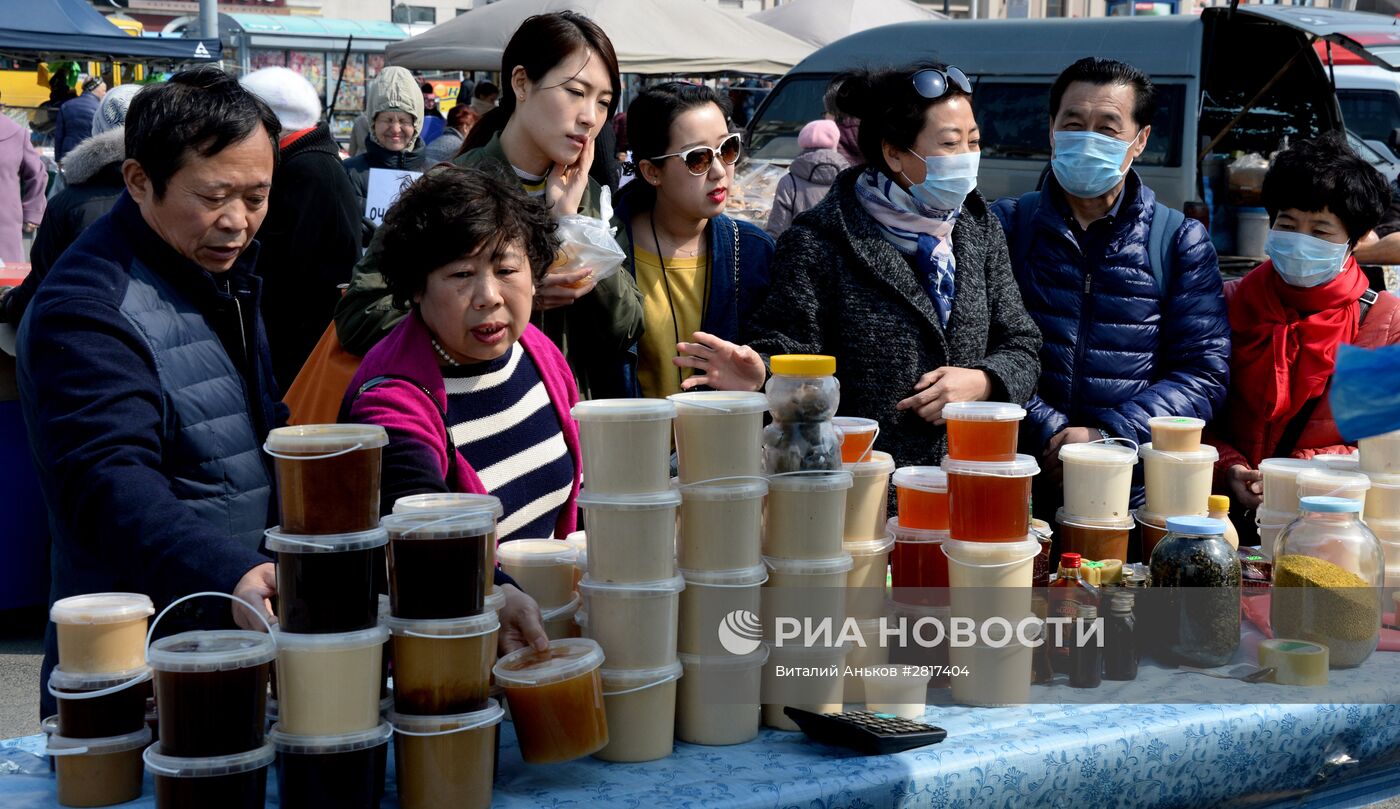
(92, 706)
(438, 563)
(211, 687)
(330, 771)
(328, 476)
(463, 502)
(326, 582)
(98, 772)
(237, 781)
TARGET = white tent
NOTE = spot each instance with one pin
(821, 22)
(650, 37)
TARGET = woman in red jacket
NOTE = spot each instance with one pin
(1289, 315)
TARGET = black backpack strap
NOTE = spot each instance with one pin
(442, 414)
(1367, 300)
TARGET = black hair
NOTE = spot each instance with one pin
(649, 120)
(198, 112)
(485, 89)
(425, 87)
(1325, 173)
(888, 107)
(1098, 71)
(451, 213)
(538, 45)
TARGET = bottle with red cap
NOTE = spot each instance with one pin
(1067, 593)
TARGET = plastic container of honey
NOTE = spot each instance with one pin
(328, 476)
(544, 568)
(556, 700)
(857, 437)
(721, 524)
(631, 537)
(447, 761)
(990, 502)
(98, 772)
(719, 434)
(708, 597)
(718, 698)
(626, 444)
(982, 431)
(806, 514)
(921, 497)
(101, 633)
(641, 707)
(867, 502)
(1095, 538)
(235, 781)
(637, 625)
(443, 667)
(918, 566)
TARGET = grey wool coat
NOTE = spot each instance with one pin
(839, 288)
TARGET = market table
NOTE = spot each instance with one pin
(1094, 754)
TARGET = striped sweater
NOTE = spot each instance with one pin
(416, 460)
(501, 419)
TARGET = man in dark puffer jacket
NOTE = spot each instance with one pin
(1120, 347)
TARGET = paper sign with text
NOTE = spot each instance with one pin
(385, 185)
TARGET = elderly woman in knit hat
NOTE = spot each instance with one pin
(809, 177)
(93, 173)
(395, 111)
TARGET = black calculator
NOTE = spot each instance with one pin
(873, 734)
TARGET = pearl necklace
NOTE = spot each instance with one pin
(443, 353)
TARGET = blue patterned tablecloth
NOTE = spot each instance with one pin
(1066, 755)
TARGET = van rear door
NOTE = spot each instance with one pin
(1373, 37)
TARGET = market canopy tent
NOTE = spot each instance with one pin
(73, 29)
(656, 37)
(821, 22)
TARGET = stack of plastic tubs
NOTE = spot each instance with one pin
(990, 550)
(330, 642)
(631, 589)
(101, 684)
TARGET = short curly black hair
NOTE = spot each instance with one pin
(451, 213)
(1325, 172)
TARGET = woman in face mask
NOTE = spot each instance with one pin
(901, 273)
(1289, 315)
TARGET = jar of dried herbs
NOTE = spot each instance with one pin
(1197, 574)
(1328, 570)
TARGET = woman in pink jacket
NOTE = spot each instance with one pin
(473, 397)
(22, 183)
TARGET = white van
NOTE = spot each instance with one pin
(1229, 82)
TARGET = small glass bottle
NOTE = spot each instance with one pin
(1041, 670)
(1120, 652)
(1086, 659)
(1067, 593)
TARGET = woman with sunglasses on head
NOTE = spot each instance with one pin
(901, 273)
(697, 269)
(562, 88)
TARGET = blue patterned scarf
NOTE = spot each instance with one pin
(917, 231)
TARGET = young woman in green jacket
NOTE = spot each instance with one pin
(562, 89)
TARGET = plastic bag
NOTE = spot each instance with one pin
(1366, 391)
(588, 243)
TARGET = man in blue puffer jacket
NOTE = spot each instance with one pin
(1127, 293)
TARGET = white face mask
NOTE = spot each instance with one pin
(1305, 261)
